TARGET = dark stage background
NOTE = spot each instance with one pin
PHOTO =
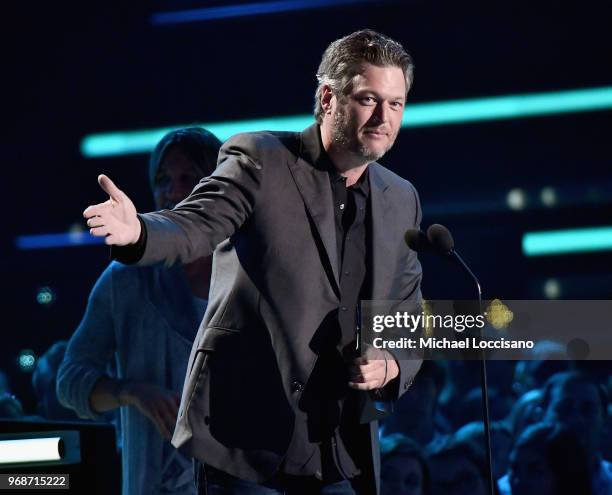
(101, 66)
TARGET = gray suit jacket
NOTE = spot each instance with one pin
(267, 214)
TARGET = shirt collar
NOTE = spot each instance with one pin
(362, 185)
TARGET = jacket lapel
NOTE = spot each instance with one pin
(381, 238)
(312, 179)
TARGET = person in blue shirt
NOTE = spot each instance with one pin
(132, 347)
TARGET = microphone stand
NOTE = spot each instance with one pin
(483, 376)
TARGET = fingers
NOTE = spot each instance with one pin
(169, 418)
(163, 417)
(94, 222)
(158, 404)
(101, 223)
(168, 410)
(367, 376)
(175, 402)
(97, 210)
(368, 359)
(155, 416)
(110, 188)
(371, 376)
(171, 408)
(102, 226)
(366, 385)
(101, 231)
(111, 240)
(359, 366)
(161, 425)
(367, 380)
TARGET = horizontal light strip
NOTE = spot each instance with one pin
(46, 241)
(567, 241)
(30, 450)
(247, 9)
(417, 115)
(507, 107)
(130, 142)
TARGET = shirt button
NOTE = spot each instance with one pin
(297, 386)
(346, 273)
(343, 308)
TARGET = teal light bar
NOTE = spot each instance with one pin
(130, 142)
(567, 241)
(507, 107)
(416, 115)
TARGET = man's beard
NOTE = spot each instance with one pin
(344, 134)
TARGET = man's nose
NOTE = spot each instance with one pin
(380, 114)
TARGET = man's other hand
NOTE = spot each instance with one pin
(373, 369)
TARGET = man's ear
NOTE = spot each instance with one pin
(326, 98)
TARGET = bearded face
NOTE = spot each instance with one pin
(366, 122)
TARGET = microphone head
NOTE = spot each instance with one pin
(417, 240)
(440, 238)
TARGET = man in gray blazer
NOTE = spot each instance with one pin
(303, 226)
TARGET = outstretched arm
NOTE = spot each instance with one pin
(215, 209)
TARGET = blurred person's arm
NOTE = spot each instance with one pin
(83, 382)
(90, 351)
(157, 403)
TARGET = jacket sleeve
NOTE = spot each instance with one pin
(90, 350)
(215, 209)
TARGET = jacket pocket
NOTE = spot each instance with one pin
(218, 339)
(214, 339)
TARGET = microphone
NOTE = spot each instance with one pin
(439, 240)
(417, 241)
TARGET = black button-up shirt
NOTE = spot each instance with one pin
(351, 206)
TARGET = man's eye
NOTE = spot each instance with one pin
(397, 104)
(368, 100)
